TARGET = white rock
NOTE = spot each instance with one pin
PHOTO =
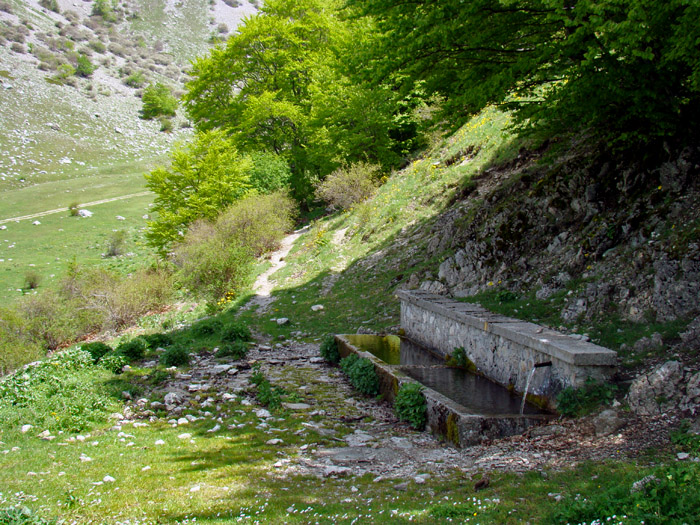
(144, 469)
(85, 213)
(275, 441)
(262, 413)
(108, 479)
(85, 458)
(317, 307)
(183, 421)
(282, 320)
(26, 428)
(196, 488)
(184, 436)
(216, 428)
(682, 455)
(120, 218)
(159, 442)
(36, 223)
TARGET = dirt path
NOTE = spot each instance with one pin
(83, 205)
(264, 285)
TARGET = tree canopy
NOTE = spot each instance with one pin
(629, 70)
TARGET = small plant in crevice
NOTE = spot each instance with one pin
(268, 395)
(236, 349)
(329, 349)
(361, 373)
(410, 405)
(175, 356)
(576, 402)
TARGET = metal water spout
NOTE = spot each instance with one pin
(529, 378)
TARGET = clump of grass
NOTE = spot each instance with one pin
(236, 331)
(175, 356)
(207, 327)
(581, 401)
(96, 349)
(158, 340)
(133, 350)
(236, 349)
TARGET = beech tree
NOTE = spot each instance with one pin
(629, 70)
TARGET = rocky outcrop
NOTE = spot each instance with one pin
(667, 388)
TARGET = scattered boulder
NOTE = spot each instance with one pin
(282, 321)
(317, 307)
(607, 422)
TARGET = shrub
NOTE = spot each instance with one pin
(410, 405)
(113, 362)
(269, 395)
(17, 346)
(236, 349)
(84, 67)
(136, 80)
(158, 100)
(175, 356)
(361, 373)
(31, 280)
(115, 243)
(578, 402)
(74, 209)
(18, 48)
(210, 266)
(349, 185)
(257, 222)
(207, 327)
(235, 331)
(329, 349)
(166, 125)
(5, 6)
(96, 349)
(133, 350)
(104, 9)
(97, 46)
(51, 5)
(159, 340)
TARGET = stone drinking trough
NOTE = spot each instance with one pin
(504, 349)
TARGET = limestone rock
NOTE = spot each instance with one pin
(607, 422)
(657, 391)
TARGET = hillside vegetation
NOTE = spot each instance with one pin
(532, 157)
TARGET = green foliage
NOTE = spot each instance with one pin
(269, 396)
(96, 349)
(410, 405)
(21, 515)
(349, 185)
(175, 356)
(31, 280)
(329, 349)
(136, 80)
(158, 100)
(74, 209)
(166, 125)
(51, 5)
(114, 362)
(270, 172)
(133, 349)
(207, 327)
(115, 243)
(61, 393)
(237, 349)
(236, 331)
(84, 67)
(17, 346)
(361, 373)
(104, 9)
(670, 495)
(204, 178)
(157, 340)
(627, 71)
(684, 439)
(459, 359)
(578, 402)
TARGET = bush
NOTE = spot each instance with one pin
(31, 280)
(361, 373)
(269, 395)
(579, 402)
(175, 356)
(166, 125)
(211, 267)
(158, 100)
(74, 209)
(97, 46)
(136, 80)
(51, 5)
(96, 349)
(84, 68)
(349, 185)
(133, 350)
(115, 244)
(257, 222)
(17, 346)
(114, 362)
(236, 349)
(236, 332)
(410, 405)
(5, 6)
(158, 340)
(207, 327)
(329, 349)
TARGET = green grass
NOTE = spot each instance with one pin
(61, 239)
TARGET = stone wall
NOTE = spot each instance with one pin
(504, 349)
